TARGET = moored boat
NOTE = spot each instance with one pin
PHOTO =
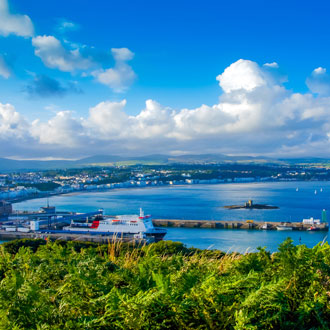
(283, 227)
(313, 228)
(266, 226)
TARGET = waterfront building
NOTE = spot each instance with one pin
(311, 221)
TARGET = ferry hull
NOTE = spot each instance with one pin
(158, 235)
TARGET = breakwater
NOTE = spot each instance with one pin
(232, 224)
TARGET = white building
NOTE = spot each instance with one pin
(311, 221)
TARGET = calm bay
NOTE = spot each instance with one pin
(296, 200)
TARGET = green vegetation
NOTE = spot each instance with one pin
(45, 186)
(79, 285)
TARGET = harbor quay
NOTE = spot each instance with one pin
(225, 224)
(6, 235)
(48, 223)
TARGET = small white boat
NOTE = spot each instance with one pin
(283, 227)
(266, 226)
(297, 189)
(321, 189)
(313, 228)
(315, 192)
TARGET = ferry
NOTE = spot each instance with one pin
(121, 225)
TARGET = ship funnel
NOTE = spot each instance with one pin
(141, 212)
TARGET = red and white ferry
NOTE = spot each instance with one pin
(118, 225)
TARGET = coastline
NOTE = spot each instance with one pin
(175, 202)
(101, 190)
(83, 191)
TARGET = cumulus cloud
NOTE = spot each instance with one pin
(65, 25)
(54, 55)
(63, 129)
(319, 70)
(12, 124)
(121, 76)
(122, 54)
(319, 81)
(69, 57)
(4, 69)
(108, 118)
(44, 86)
(241, 75)
(20, 25)
(273, 65)
(256, 114)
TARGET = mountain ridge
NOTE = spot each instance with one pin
(7, 164)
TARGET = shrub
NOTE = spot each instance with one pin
(81, 285)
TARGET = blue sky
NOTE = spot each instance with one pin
(170, 52)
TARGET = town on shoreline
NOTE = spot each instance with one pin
(24, 185)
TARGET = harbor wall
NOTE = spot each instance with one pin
(215, 224)
(222, 224)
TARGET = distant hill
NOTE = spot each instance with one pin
(99, 159)
(313, 160)
(166, 159)
(7, 165)
(21, 165)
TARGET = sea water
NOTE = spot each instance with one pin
(296, 201)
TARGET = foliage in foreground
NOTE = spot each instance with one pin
(162, 286)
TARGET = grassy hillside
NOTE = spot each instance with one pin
(162, 286)
(9, 165)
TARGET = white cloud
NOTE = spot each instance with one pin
(74, 58)
(68, 25)
(20, 25)
(63, 130)
(273, 65)
(65, 25)
(54, 55)
(118, 78)
(12, 124)
(319, 82)
(256, 114)
(319, 70)
(121, 76)
(122, 54)
(243, 74)
(108, 119)
(4, 69)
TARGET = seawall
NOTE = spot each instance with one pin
(220, 224)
